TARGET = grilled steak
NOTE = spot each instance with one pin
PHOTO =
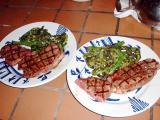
(30, 62)
(13, 54)
(95, 87)
(121, 81)
(43, 61)
(134, 76)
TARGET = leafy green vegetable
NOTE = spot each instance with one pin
(106, 60)
(38, 38)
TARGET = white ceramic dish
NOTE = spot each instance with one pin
(123, 105)
(13, 77)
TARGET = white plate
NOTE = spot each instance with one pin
(123, 105)
(12, 76)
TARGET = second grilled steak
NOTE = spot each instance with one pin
(121, 81)
(134, 76)
(41, 62)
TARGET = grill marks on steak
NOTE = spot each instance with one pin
(134, 76)
(13, 54)
(45, 60)
(121, 81)
(30, 62)
(95, 87)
